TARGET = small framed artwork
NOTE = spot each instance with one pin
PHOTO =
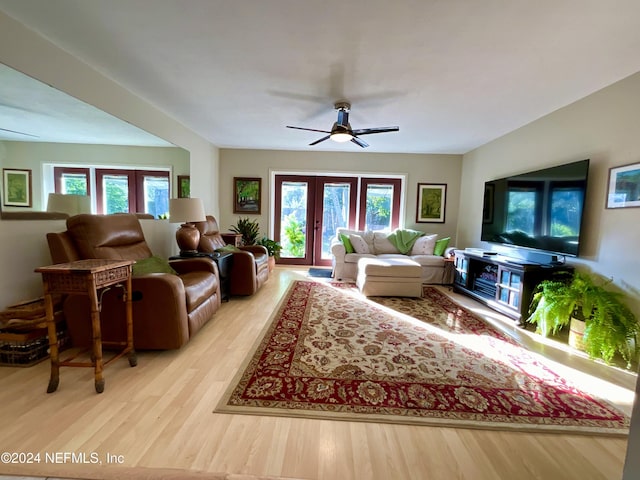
(16, 187)
(184, 186)
(624, 186)
(246, 195)
(431, 202)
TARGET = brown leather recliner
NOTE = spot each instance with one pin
(250, 265)
(168, 309)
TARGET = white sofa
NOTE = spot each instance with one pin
(435, 270)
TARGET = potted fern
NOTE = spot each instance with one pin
(585, 304)
(249, 229)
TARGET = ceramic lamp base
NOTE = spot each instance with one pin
(187, 237)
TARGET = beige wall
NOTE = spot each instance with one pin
(23, 242)
(602, 127)
(417, 168)
(33, 155)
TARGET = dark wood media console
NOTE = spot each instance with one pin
(503, 284)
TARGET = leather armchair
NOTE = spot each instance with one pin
(250, 267)
(167, 309)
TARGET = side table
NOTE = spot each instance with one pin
(234, 239)
(87, 277)
(224, 261)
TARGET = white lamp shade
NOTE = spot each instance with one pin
(186, 210)
(69, 204)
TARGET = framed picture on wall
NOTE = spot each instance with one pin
(246, 195)
(16, 191)
(184, 186)
(431, 202)
(624, 186)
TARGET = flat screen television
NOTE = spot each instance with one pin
(541, 210)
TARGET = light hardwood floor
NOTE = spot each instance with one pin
(160, 414)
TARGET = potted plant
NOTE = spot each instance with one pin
(585, 304)
(274, 248)
(249, 229)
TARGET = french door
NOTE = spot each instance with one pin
(309, 209)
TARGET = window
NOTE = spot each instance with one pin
(117, 190)
(380, 203)
(72, 181)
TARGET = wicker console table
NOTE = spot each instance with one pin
(87, 277)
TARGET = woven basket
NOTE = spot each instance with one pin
(28, 314)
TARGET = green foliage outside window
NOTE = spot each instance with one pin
(378, 211)
(117, 198)
(293, 243)
(75, 185)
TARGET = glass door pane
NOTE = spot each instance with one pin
(335, 213)
(293, 219)
(335, 208)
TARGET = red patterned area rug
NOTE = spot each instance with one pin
(328, 353)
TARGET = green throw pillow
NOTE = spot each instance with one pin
(441, 246)
(228, 248)
(153, 264)
(347, 243)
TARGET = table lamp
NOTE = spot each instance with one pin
(69, 203)
(187, 210)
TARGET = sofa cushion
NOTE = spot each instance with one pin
(428, 260)
(403, 267)
(404, 238)
(354, 257)
(348, 248)
(424, 245)
(359, 245)
(381, 243)
(441, 246)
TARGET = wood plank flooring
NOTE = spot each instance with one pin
(159, 414)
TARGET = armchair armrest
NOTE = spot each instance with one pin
(197, 264)
(256, 249)
(159, 310)
(338, 250)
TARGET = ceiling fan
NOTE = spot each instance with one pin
(341, 130)
(18, 133)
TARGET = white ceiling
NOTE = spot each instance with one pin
(31, 111)
(453, 74)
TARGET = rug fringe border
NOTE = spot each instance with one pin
(222, 406)
(422, 421)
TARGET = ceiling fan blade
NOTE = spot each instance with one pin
(320, 140)
(19, 133)
(359, 142)
(309, 129)
(369, 131)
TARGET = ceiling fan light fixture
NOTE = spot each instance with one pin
(341, 137)
(341, 131)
